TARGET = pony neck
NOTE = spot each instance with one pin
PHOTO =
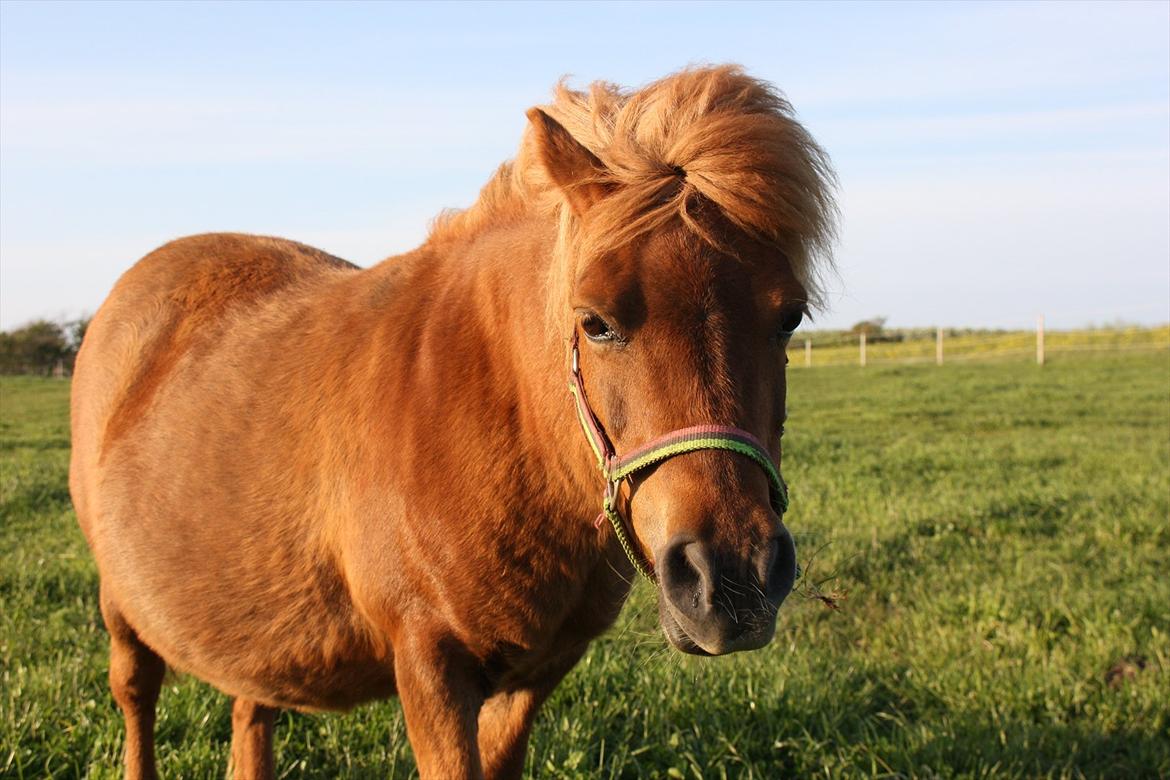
(487, 329)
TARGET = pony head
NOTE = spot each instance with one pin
(695, 221)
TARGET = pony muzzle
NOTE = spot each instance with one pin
(713, 605)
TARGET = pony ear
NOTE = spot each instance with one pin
(573, 168)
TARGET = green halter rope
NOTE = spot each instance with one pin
(684, 440)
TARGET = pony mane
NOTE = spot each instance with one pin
(702, 137)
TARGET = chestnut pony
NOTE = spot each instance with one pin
(313, 485)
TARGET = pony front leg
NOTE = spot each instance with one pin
(505, 722)
(441, 690)
(252, 741)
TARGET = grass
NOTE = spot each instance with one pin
(1001, 531)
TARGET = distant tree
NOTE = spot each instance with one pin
(9, 354)
(35, 348)
(870, 327)
(75, 334)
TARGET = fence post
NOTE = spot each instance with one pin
(1039, 339)
(807, 353)
(938, 348)
(861, 342)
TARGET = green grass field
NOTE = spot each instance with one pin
(1001, 532)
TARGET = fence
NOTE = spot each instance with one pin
(961, 345)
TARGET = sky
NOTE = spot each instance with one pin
(996, 161)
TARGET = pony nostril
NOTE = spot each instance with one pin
(679, 568)
(781, 568)
(685, 577)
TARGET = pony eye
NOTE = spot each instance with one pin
(790, 322)
(597, 329)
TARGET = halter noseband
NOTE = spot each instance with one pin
(697, 437)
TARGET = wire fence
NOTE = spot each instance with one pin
(959, 345)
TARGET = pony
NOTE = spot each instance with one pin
(313, 485)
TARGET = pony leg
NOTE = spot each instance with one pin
(136, 675)
(252, 741)
(505, 723)
(441, 694)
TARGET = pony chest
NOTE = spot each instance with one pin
(519, 631)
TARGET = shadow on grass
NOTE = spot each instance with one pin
(1025, 749)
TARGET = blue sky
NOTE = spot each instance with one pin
(996, 160)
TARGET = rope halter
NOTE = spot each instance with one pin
(697, 437)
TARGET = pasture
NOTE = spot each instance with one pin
(997, 535)
(918, 345)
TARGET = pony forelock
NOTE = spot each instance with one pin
(704, 135)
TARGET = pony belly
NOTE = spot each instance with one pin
(338, 686)
(307, 664)
(279, 631)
